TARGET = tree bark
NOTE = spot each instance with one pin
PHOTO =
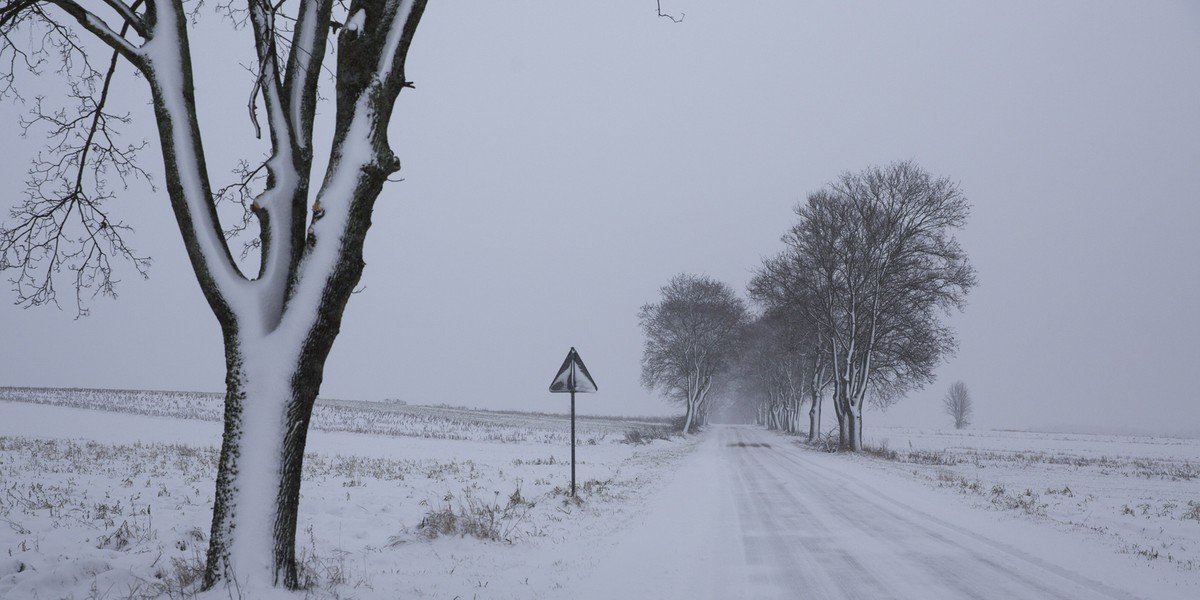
(248, 537)
(858, 438)
(687, 420)
(814, 418)
(848, 421)
(272, 385)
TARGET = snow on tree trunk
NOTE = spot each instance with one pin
(687, 420)
(853, 416)
(814, 419)
(279, 328)
(251, 499)
(859, 437)
(814, 411)
(272, 385)
(847, 413)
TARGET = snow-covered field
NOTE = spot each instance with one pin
(382, 418)
(116, 503)
(101, 504)
(1137, 495)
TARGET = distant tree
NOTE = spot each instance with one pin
(874, 262)
(692, 336)
(783, 288)
(772, 370)
(958, 404)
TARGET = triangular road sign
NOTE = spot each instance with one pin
(573, 376)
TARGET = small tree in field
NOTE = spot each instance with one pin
(958, 404)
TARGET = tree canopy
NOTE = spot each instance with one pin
(692, 336)
(873, 264)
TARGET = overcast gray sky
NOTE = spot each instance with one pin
(563, 160)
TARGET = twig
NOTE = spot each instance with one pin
(669, 16)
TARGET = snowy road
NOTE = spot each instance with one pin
(751, 515)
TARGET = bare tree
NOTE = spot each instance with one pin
(783, 287)
(773, 369)
(873, 261)
(958, 404)
(692, 336)
(278, 323)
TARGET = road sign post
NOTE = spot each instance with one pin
(573, 377)
(572, 442)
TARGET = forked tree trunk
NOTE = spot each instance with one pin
(839, 410)
(847, 415)
(687, 419)
(271, 390)
(848, 421)
(275, 365)
(272, 384)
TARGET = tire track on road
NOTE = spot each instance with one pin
(907, 551)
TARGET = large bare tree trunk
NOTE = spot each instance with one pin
(279, 328)
(257, 497)
(853, 429)
(268, 406)
(847, 414)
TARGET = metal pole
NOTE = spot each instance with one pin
(572, 443)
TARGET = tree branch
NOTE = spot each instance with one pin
(669, 16)
(305, 58)
(128, 13)
(97, 27)
(262, 18)
(62, 224)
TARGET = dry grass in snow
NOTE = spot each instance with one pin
(89, 510)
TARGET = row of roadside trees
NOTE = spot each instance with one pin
(849, 314)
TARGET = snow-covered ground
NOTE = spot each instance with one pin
(102, 504)
(757, 516)
(1136, 495)
(382, 418)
